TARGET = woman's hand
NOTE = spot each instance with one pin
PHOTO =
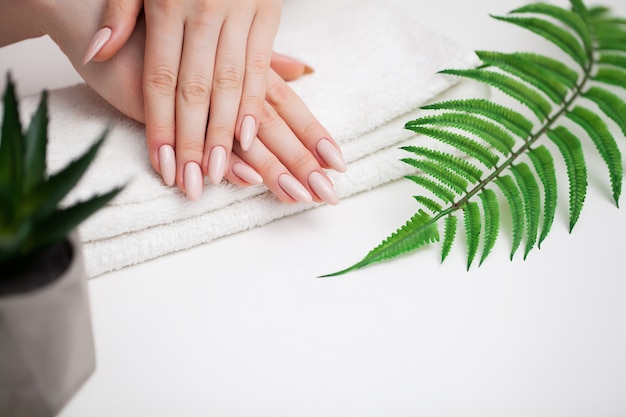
(293, 147)
(198, 53)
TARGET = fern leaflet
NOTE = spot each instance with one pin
(561, 96)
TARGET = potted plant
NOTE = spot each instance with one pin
(46, 340)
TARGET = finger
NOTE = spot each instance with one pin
(289, 68)
(164, 38)
(303, 123)
(225, 97)
(241, 173)
(194, 89)
(258, 54)
(291, 152)
(275, 175)
(118, 22)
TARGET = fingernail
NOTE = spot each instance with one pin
(323, 188)
(291, 186)
(308, 70)
(247, 133)
(246, 173)
(217, 164)
(193, 181)
(331, 155)
(97, 43)
(167, 164)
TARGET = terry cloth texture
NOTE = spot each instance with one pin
(375, 64)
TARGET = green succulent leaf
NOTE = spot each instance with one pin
(35, 141)
(11, 153)
(585, 93)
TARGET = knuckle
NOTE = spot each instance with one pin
(228, 77)
(257, 64)
(221, 132)
(115, 9)
(195, 90)
(302, 161)
(269, 119)
(279, 93)
(161, 80)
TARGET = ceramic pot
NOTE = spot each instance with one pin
(46, 343)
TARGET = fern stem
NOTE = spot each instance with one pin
(564, 108)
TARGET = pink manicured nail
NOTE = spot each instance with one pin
(331, 155)
(323, 188)
(291, 186)
(217, 164)
(167, 164)
(247, 133)
(97, 43)
(193, 181)
(246, 173)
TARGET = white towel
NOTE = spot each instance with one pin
(374, 66)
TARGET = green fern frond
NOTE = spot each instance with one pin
(526, 70)
(570, 18)
(532, 202)
(611, 76)
(473, 227)
(516, 89)
(444, 194)
(420, 230)
(449, 235)
(460, 166)
(608, 58)
(453, 181)
(429, 203)
(598, 131)
(561, 72)
(544, 166)
(484, 129)
(513, 196)
(491, 210)
(572, 152)
(613, 106)
(503, 139)
(555, 34)
(512, 120)
(462, 143)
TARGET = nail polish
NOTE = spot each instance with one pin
(167, 164)
(323, 188)
(192, 176)
(247, 132)
(217, 164)
(291, 186)
(247, 173)
(97, 43)
(331, 155)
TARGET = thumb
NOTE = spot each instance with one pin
(118, 22)
(288, 68)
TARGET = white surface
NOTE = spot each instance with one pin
(241, 327)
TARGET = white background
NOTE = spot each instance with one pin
(241, 326)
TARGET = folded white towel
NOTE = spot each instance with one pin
(374, 65)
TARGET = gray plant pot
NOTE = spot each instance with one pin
(46, 344)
